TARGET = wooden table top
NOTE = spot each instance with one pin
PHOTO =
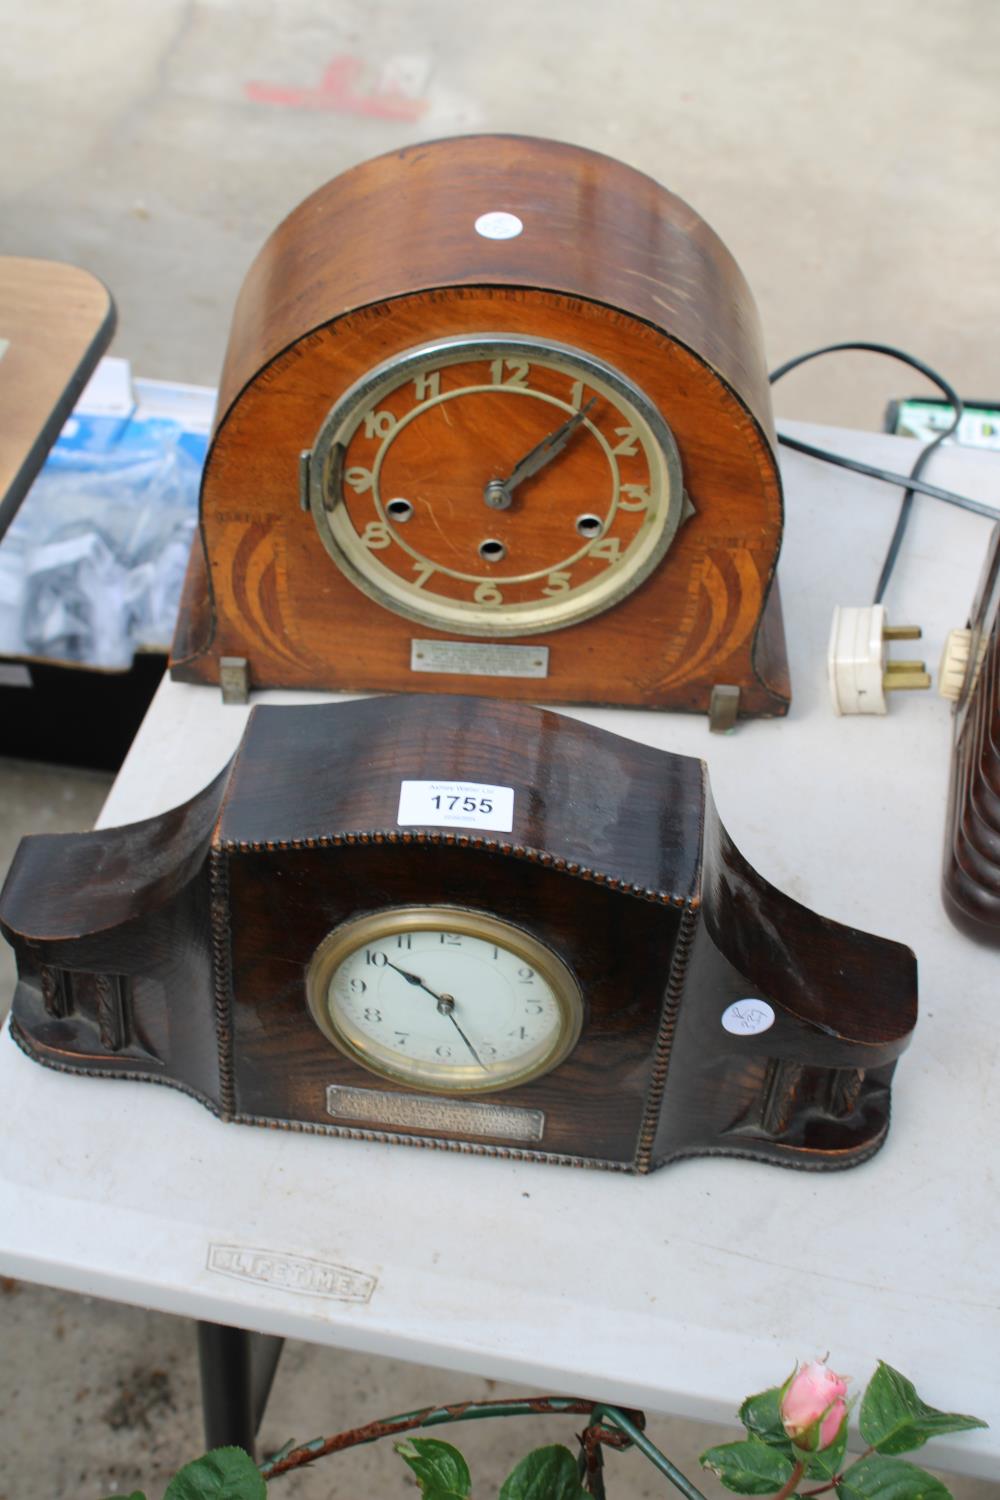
(55, 323)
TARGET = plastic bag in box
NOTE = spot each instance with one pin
(92, 566)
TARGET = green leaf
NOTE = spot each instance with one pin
(440, 1469)
(827, 1462)
(545, 1474)
(135, 1495)
(223, 1474)
(894, 1419)
(878, 1478)
(761, 1416)
(751, 1468)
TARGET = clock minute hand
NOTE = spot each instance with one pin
(445, 1004)
(498, 492)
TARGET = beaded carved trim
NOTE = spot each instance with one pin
(222, 977)
(130, 1075)
(430, 1143)
(459, 841)
(665, 1039)
(832, 1161)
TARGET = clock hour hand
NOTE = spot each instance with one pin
(410, 978)
(445, 1004)
(499, 492)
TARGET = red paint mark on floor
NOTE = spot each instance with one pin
(341, 89)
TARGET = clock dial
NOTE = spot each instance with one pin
(444, 998)
(496, 485)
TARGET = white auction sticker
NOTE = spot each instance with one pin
(748, 1017)
(456, 804)
(498, 226)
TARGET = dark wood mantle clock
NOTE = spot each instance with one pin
(463, 924)
(494, 419)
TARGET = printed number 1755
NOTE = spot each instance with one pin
(458, 803)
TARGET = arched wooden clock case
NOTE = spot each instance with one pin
(693, 1009)
(376, 513)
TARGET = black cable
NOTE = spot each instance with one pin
(977, 507)
(911, 482)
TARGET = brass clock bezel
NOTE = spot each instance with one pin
(669, 507)
(427, 1077)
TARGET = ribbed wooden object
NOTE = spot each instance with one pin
(971, 881)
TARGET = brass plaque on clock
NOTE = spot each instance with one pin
(494, 418)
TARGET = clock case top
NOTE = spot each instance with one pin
(176, 949)
(385, 258)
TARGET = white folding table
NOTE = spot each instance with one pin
(680, 1292)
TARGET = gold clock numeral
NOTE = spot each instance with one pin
(428, 385)
(379, 424)
(487, 593)
(423, 571)
(608, 547)
(576, 394)
(518, 372)
(629, 444)
(640, 497)
(359, 479)
(376, 536)
(556, 583)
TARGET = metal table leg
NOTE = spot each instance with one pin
(237, 1369)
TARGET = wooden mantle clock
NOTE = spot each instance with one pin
(494, 419)
(463, 924)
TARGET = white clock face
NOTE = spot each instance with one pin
(444, 998)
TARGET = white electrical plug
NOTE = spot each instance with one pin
(858, 663)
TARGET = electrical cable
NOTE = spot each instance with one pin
(977, 507)
(912, 482)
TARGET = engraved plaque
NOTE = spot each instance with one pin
(479, 659)
(444, 1116)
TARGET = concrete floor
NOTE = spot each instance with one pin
(843, 152)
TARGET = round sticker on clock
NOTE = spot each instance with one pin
(747, 1017)
(498, 226)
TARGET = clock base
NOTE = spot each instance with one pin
(556, 668)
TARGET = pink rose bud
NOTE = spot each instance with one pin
(813, 1406)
